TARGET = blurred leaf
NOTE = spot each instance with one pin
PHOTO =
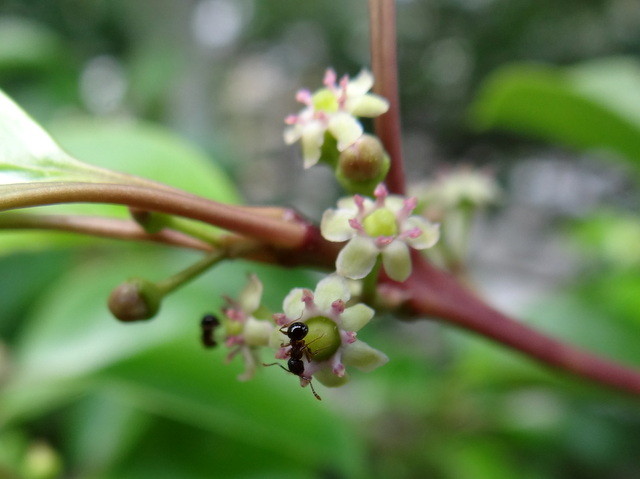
(612, 237)
(26, 45)
(144, 150)
(135, 148)
(72, 346)
(595, 105)
(27, 152)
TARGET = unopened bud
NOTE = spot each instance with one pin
(362, 165)
(134, 300)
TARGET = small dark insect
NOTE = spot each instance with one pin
(296, 333)
(208, 324)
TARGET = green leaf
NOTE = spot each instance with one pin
(26, 45)
(28, 153)
(595, 105)
(28, 156)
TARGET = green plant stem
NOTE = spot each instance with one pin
(273, 231)
(180, 279)
(384, 64)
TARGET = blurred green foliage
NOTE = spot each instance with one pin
(121, 84)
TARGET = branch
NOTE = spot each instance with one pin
(99, 226)
(384, 63)
(434, 292)
(249, 222)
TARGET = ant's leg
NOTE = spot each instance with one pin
(276, 364)
(314, 391)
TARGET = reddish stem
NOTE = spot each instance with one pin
(385, 70)
(436, 293)
(273, 231)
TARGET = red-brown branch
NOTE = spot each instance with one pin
(382, 14)
(436, 293)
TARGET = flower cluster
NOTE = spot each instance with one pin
(244, 333)
(383, 227)
(317, 331)
(333, 110)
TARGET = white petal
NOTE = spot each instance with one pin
(430, 232)
(330, 289)
(345, 128)
(369, 106)
(292, 134)
(360, 84)
(335, 225)
(312, 139)
(348, 203)
(292, 305)
(357, 258)
(396, 260)
(394, 202)
(362, 356)
(356, 316)
(251, 295)
(330, 380)
(257, 332)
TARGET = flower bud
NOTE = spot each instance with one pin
(362, 165)
(135, 300)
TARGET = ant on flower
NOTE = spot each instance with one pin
(296, 332)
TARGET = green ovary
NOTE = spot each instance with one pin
(325, 100)
(381, 222)
(323, 338)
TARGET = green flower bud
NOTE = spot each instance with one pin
(134, 300)
(362, 165)
(323, 336)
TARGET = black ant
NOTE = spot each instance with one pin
(208, 323)
(296, 332)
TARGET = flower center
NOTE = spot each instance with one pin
(233, 328)
(381, 222)
(323, 338)
(325, 100)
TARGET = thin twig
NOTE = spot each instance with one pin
(99, 226)
(273, 231)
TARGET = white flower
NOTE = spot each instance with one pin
(333, 110)
(461, 186)
(244, 332)
(331, 342)
(383, 226)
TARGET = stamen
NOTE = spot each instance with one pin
(304, 96)
(281, 319)
(307, 298)
(330, 78)
(382, 241)
(337, 306)
(356, 225)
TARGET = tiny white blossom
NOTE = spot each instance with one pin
(244, 332)
(331, 342)
(333, 110)
(381, 227)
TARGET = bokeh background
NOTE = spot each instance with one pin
(543, 94)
